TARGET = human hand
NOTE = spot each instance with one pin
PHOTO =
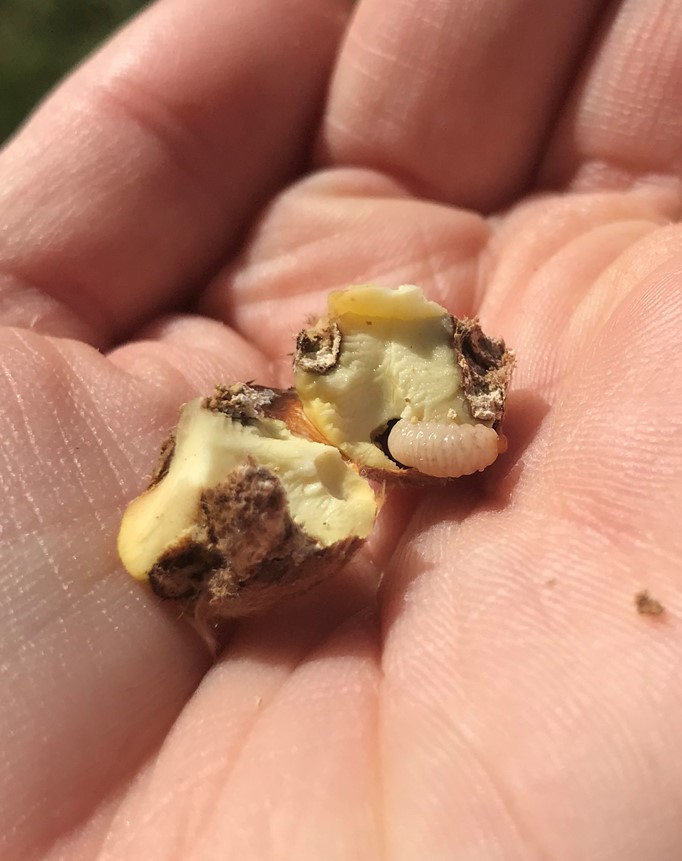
(499, 697)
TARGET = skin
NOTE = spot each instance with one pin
(498, 696)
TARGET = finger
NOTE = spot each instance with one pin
(94, 669)
(290, 710)
(141, 171)
(338, 228)
(622, 121)
(612, 288)
(545, 257)
(520, 685)
(197, 353)
(453, 97)
(540, 689)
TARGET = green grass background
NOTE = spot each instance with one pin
(40, 40)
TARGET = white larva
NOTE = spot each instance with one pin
(444, 450)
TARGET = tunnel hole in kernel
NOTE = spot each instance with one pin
(380, 439)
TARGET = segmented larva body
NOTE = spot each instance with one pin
(444, 450)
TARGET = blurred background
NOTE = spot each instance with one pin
(40, 40)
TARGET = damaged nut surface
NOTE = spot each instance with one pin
(246, 510)
(406, 379)
(260, 493)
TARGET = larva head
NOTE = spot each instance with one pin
(381, 356)
(247, 506)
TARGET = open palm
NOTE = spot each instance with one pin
(498, 696)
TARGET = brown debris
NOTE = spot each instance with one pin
(318, 348)
(241, 401)
(486, 366)
(648, 606)
(246, 551)
(164, 462)
(245, 402)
